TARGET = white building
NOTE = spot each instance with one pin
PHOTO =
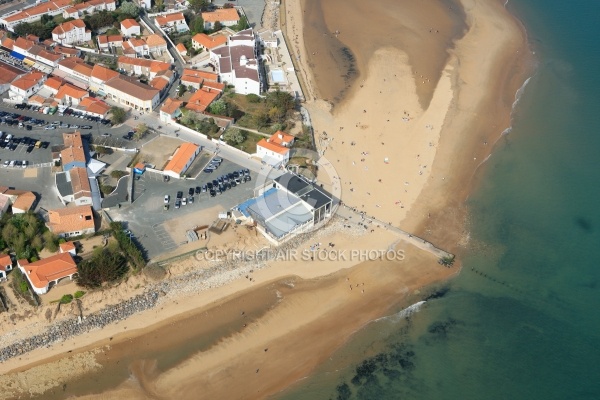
(46, 273)
(27, 85)
(71, 32)
(181, 160)
(172, 22)
(275, 151)
(129, 92)
(225, 16)
(237, 63)
(130, 27)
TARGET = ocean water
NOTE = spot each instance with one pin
(521, 321)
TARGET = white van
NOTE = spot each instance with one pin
(8, 137)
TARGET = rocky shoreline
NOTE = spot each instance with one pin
(170, 289)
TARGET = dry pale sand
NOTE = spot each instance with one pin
(433, 150)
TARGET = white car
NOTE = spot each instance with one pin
(184, 201)
(50, 127)
(167, 199)
(24, 164)
(6, 163)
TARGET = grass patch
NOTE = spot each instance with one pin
(249, 145)
(66, 299)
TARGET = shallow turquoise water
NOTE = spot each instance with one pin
(521, 321)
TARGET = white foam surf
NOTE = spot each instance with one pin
(403, 314)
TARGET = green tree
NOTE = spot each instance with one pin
(140, 131)
(261, 118)
(234, 136)
(99, 20)
(253, 98)
(218, 107)
(106, 189)
(217, 26)
(282, 100)
(118, 115)
(50, 241)
(181, 90)
(197, 25)
(129, 9)
(160, 5)
(241, 25)
(37, 243)
(198, 6)
(106, 266)
(189, 119)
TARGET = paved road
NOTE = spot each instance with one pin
(40, 181)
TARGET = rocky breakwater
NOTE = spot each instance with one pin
(66, 329)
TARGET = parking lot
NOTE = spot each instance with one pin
(39, 180)
(101, 134)
(158, 230)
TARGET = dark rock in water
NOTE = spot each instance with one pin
(584, 224)
(438, 294)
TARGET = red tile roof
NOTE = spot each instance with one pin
(170, 106)
(181, 157)
(272, 146)
(42, 272)
(209, 42)
(71, 219)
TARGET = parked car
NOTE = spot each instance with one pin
(105, 134)
(24, 163)
(184, 201)
(50, 127)
(167, 198)
(191, 191)
(179, 194)
(177, 203)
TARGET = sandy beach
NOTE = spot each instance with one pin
(406, 124)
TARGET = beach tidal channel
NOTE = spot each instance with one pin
(140, 357)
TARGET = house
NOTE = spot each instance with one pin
(130, 27)
(94, 107)
(147, 4)
(170, 110)
(46, 273)
(68, 247)
(8, 74)
(141, 66)
(43, 55)
(268, 38)
(136, 47)
(99, 76)
(73, 153)
(129, 92)
(89, 7)
(202, 98)
(67, 51)
(156, 44)
(275, 151)
(71, 32)
(22, 46)
(181, 49)
(23, 203)
(237, 63)
(70, 95)
(31, 14)
(181, 160)
(21, 200)
(226, 16)
(5, 266)
(71, 221)
(53, 83)
(28, 84)
(196, 78)
(201, 41)
(172, 22)
(108, 42)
